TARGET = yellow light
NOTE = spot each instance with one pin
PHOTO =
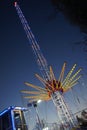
(53, 85)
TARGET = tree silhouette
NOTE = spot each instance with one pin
(76, 13)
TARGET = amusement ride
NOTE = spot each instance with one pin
(53, 88)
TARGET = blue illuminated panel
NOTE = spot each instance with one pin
(8, 119)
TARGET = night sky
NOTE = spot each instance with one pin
(56, 37)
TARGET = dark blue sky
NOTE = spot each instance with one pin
(56, 38)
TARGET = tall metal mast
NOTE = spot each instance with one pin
(53, 88)
(41, 61)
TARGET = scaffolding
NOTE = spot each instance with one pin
(66, 118)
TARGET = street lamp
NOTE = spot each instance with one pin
(34, 104)
(37, 114)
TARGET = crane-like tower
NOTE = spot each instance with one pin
(41, 61)
(54, 89)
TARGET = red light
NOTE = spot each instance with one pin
(15, 3)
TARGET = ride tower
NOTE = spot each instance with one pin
(54, 89)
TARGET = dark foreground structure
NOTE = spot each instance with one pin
(82, 120)
(13, 118)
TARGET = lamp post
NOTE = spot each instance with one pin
(37, 114)
(34, 104)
